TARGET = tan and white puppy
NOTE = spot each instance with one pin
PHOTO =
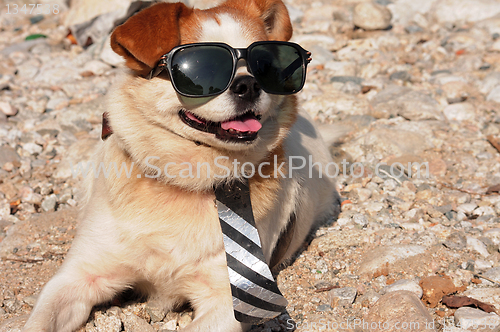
(160, 232)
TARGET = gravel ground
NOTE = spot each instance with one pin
(394, 84)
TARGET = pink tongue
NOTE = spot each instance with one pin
(243, 125)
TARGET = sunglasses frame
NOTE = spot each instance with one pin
(165, 62)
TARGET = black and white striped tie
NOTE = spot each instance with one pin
(256, 297)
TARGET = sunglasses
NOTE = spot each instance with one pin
(207, 69)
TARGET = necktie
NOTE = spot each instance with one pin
(256, 297)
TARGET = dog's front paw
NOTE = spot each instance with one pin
(216, 322)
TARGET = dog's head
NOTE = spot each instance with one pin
(215, 121)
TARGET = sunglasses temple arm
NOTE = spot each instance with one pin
(158, 69)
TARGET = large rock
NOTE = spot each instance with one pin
(399, 311)
(396, 142)
(410, 104)
(379, 257)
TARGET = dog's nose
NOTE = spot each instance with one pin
(245, 87)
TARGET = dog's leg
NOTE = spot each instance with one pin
(209, 293)
(67, 299)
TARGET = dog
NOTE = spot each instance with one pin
(157, 229)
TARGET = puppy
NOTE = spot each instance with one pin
(157, 228)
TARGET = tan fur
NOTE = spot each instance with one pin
(163, 234)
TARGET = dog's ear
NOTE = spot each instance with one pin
(149, 34)
(272, 12)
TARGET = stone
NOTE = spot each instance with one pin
(342, 296)
(7, 109)
(66, 138)
(49, 203)
(406, 11)
(477, 246)
(395, 142)
(104, 323)
(351, 88)
(156, 311)
(96, 67)
(133, 323)
(467, 208)
(30, 300)
(493, 274)
(344, 71)
(379, 257)
(363, 194)
(51, 74)
(368, 299)
(369, 71)
(335, 102)
(460, 112)
(456, 91)
(456, 241)
(456, 11)
(322, 55)
(371, 16)
(8, 155)
(435, 287)
(32, 148)
(400, 310)
(324, 307)
(402, 75)
(481, 265)
(404, 285)
(23, 46)
(487, 295)
(494, 94)
(56, 104)
(184, 320)
(412, 105)
(360, 219)
(494, 235)
(491, 81)
(170, 325)
(12, 305)
(4, 208)
(309, 40)
(467, 318)
(483, 211)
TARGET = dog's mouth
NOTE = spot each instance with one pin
(243, 128)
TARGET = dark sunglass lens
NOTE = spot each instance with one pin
(278, 68)
(202, 70)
